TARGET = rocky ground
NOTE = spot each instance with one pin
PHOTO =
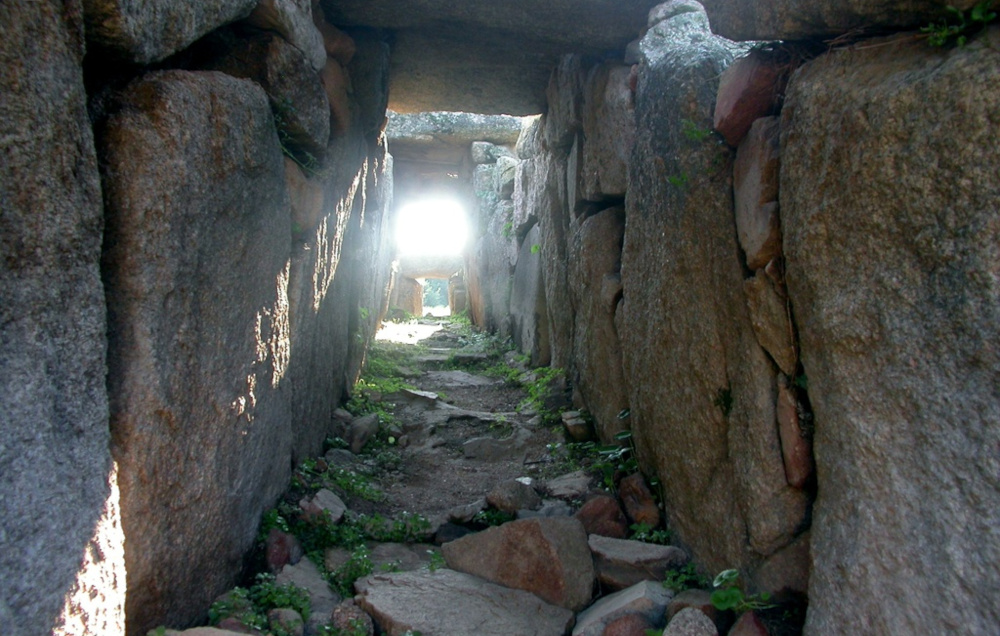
(455, 503)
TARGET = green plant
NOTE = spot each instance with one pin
(508, 374)
(436, 561)
(359, 565)
(348, 482)
(536, 248)
(501, 427)
(356, 627)
(647, 534)
(956, 25)
(267, 595)
(237, 604)
(724, 400)
(508, 230)
(728, 596)
(543, 381)
(694, 132)
(605, 462)
(684, 578)
(492, 517)
(250, 606)
(678, 181)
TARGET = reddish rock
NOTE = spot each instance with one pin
(349, 617)
(640, 506)
(547, 557)
(749, 89)
(336, 83)
(748, 625)
(281, 549)
(769, 316)
(338, 44)
(628, 625)
(324, 502)
(796, 449)
(755, 191)
(647, 599)
(603, 516)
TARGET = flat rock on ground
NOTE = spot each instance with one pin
(449, 603)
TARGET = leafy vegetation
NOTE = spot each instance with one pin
(685, 578)
(647, 534)
(492, 517)
(694, 132)
(607, 462)
(437, 560)
(958, 26)
(359, 565)
(250, 606)
(540, 384)
(728, 595)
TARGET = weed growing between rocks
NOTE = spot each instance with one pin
(728, 595)
(250, 606)
(957, 26)
(684, 578)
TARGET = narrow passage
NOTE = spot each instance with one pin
(460, 495)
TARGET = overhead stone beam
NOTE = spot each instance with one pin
(430, 266)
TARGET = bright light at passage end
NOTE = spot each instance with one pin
(431, 226)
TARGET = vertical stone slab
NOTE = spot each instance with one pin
(321, 306)
(609, 127)
(196, 264)
(890, 186)
(702, 390)
(60, 563)
(596, 286)
(528, 314)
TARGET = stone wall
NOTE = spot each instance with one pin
(61, 565)
(172, 351)
(785, 276)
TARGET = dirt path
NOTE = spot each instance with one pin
(455, 448)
